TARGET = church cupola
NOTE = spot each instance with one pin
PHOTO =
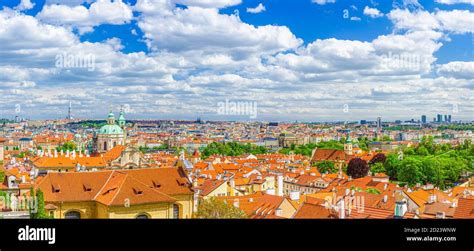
(121, 119)
(348, 144)
(111, 118)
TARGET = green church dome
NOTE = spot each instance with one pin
(110, 129)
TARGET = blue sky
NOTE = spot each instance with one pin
(296, 60)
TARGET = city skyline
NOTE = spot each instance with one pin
(179, 59)
(422, 119)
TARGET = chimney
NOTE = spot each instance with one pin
(278, 212)
(440, 215)
(385, 186)
(400, 208)
(431, 198)
(236, 203)
(454, 204)
(385, 198)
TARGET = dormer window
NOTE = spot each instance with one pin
(156, 184)
(137, 191)
(87, 187)
(181, 182)
(56, 188)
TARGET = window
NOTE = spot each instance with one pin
(175, 211)
(142, 216)
(105, 146)
(72, 215)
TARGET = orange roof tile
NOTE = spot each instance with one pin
(465, 208)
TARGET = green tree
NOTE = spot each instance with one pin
(433, 172)
(377, 168)
(422, 151)
(428, 143)
(410, 171)
(386, 138)
(326, 166)
(71, 146)
(308, 148)
(372, 190)
(41, 211)
(409, 151)
(3, 195)
(391, 165)
(231, 149)
(213, 208)
(364, 143)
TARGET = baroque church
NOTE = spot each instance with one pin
(110, 142)
(111, 134)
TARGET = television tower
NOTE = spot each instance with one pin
(69, 113)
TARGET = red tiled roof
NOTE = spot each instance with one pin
(465, 208)
(113, 187)
(210, 185)
(313, 211)
(330, 154)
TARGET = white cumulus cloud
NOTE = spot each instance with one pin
(25, 5)
(323, 2)
(372, 12)
(260, 7)
(100, 12)
(455, 1)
